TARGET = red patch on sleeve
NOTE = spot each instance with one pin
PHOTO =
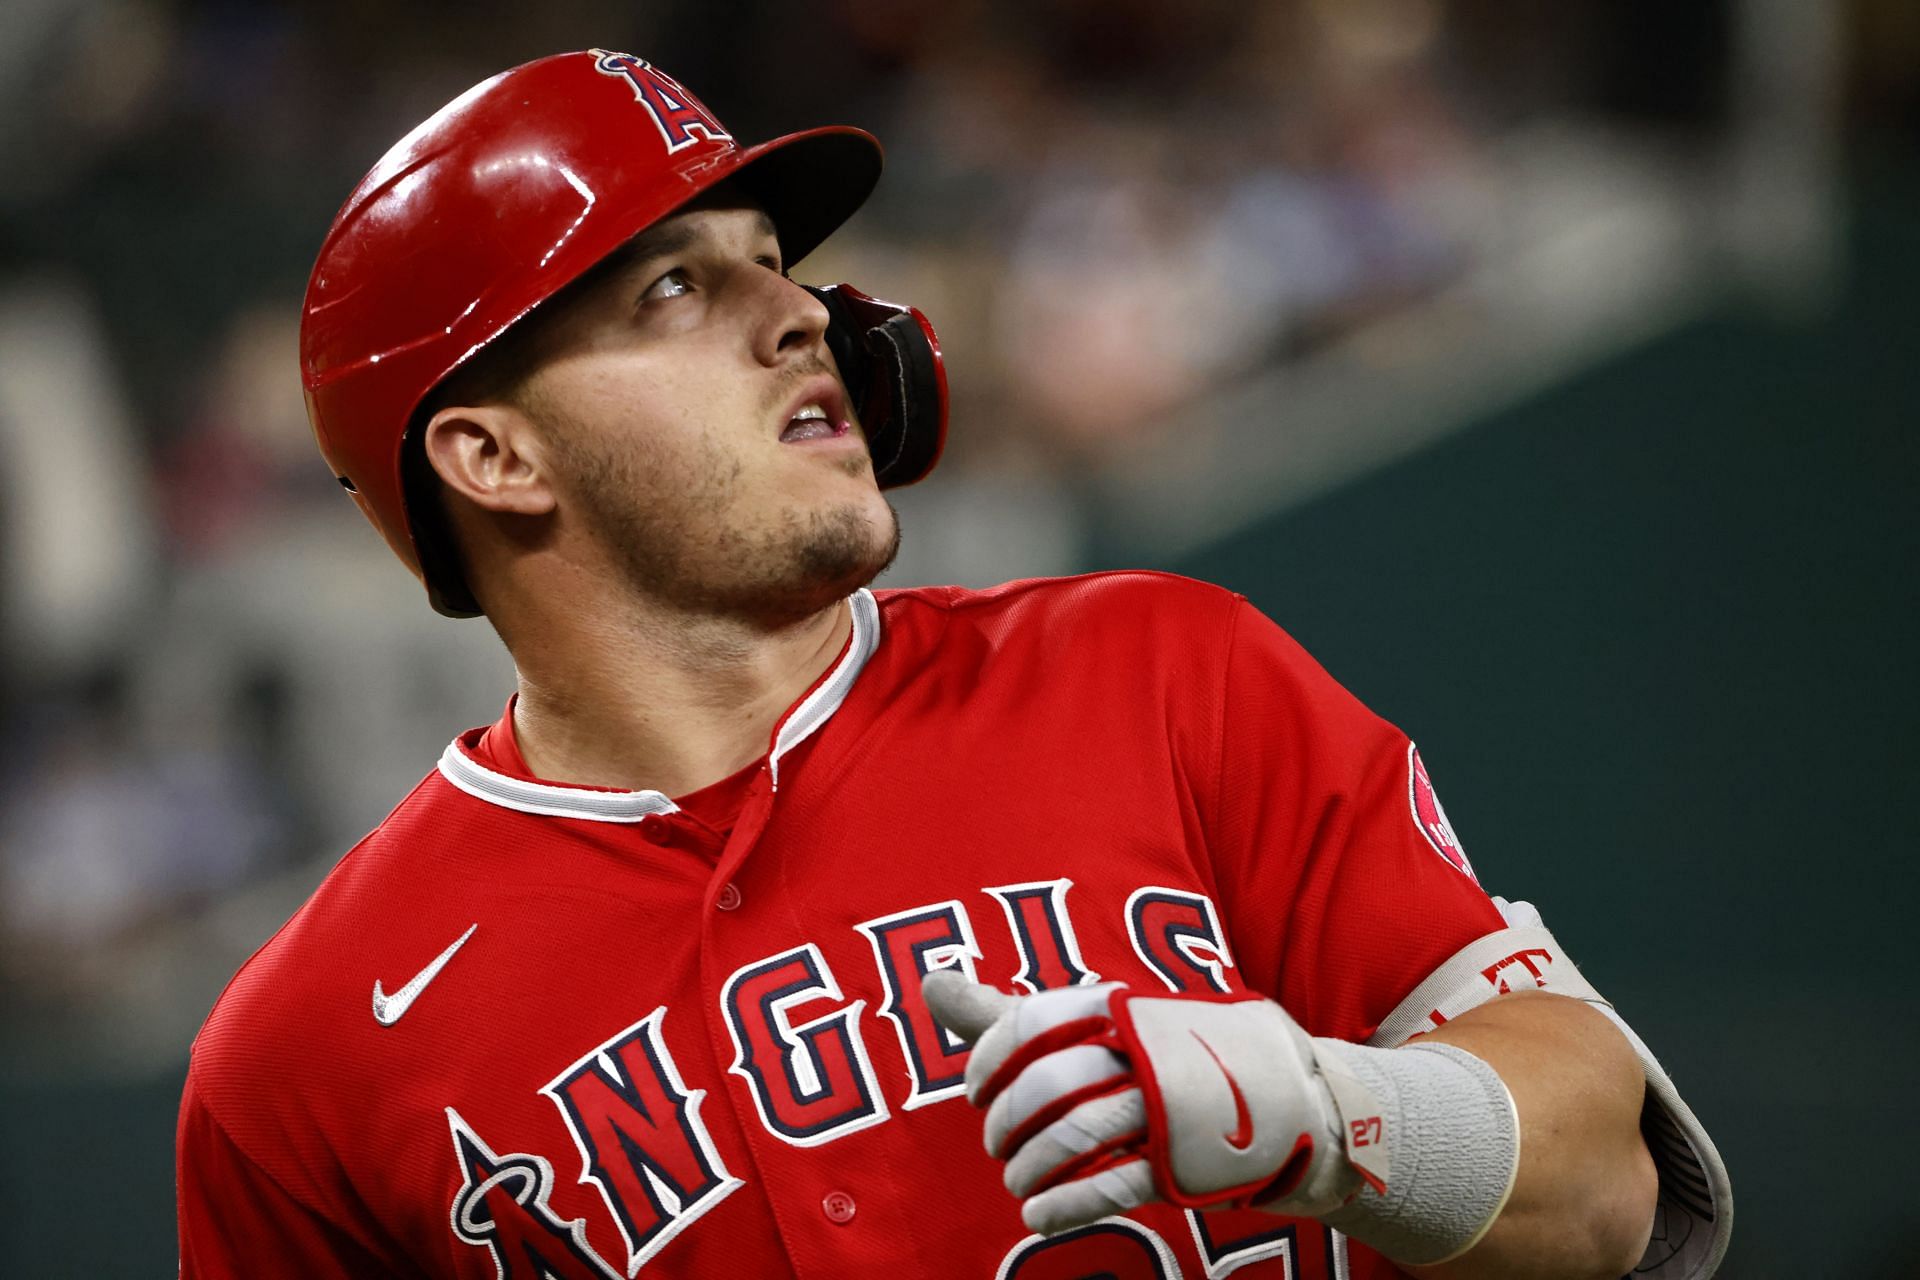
(1430, 817)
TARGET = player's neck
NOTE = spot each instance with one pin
(669, 706)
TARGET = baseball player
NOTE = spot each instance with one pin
(782, 927)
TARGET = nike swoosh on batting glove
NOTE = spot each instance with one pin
(1100, 1100)
(1412, 1150)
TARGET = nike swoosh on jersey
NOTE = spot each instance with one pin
(388, 1009)
(1242, 1135)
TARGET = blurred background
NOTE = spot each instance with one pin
(1551, 371)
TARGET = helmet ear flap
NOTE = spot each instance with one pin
(441, 568)
(846, 339)
(889, 357)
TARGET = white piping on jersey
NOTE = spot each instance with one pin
(549, 801)
(818, 707)
(813, 711)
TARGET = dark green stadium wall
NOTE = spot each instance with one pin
(1656, 633)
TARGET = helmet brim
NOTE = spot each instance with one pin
(809, 183)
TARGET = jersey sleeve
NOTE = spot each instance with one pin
(1340, 878)
(236, 1221)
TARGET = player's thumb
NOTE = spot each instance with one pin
(963, 1006)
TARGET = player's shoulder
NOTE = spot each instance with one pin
(1133, 630)
(1143, 604)
(287, 1001)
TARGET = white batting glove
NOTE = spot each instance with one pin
(1101, 1100)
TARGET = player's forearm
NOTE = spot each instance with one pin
(1582, 1200)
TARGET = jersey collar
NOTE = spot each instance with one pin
(801, 722)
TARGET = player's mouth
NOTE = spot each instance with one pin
(817, 413)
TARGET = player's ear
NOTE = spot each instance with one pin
(491, 455)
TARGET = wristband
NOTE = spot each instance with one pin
(1455, 1143)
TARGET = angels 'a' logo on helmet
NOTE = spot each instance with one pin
(1430, 817)
(679, 116)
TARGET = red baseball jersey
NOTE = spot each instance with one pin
(611, 1034)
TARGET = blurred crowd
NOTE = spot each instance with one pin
(215, 676)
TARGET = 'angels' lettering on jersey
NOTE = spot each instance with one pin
(1178, 935)
(812, 1081)
(907, 946)
(637, 1128)
(636, 1125)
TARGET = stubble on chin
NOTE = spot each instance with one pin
(780, 577)
(682, 544)
(840, 553)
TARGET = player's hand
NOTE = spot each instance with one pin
(1100, 1100)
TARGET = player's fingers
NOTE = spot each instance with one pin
(1090, 1132)
(1085, 1200)
(1050, 1087)
(1030, 1018)
(962, 1006)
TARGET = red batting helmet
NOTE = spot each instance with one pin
(510, 192)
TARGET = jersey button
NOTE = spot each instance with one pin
(838, 1206)
(729, 900)
(653, 828)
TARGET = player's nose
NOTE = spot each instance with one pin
(793, 321)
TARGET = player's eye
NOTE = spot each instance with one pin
(671, 285)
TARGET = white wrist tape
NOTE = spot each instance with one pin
(1455, 1148)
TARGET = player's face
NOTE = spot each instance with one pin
(703, 437)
